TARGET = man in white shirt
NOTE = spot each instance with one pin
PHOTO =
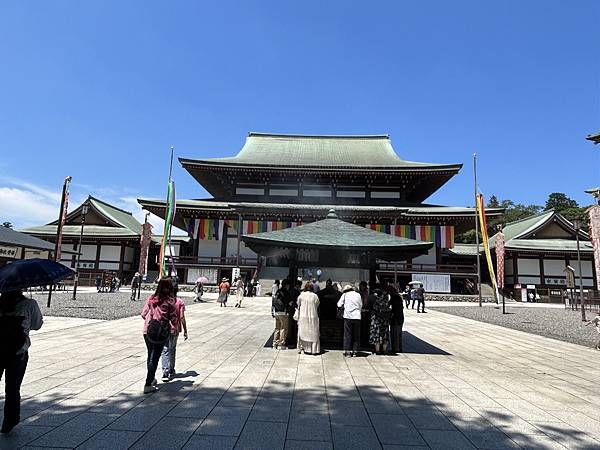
(351, 301)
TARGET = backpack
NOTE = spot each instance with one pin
(385, 311)
(280, 304)
(158, 331)
(12, 333)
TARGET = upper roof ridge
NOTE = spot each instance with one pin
(91, 197)
(319, 136)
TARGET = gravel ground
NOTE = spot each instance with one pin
(565, 325)
(92, 305)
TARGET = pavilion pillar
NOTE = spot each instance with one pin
(372, 271)
(293, 268)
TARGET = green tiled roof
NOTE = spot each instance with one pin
(559, 245)
(406, 210)
(334, 233)
(88, 231)
(283, 150)
(524, 226)
(119, 216)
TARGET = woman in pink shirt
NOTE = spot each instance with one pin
(160, 321)
(169, 351)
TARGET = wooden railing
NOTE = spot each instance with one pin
(467, 269)
(217, 261)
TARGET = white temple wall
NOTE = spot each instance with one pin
(554, 267)
(110, 253)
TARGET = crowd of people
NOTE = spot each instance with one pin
(108, 282)
(298, 308)
(239, 288)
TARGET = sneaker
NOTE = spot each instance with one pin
(353, 354)
(154, 382)
(165, 376)
(150, 389)
(171, 375)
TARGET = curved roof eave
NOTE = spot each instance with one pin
(231, 163)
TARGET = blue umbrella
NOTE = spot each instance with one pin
(32, 272)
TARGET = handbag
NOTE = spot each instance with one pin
(340, 310)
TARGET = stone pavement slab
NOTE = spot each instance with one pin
(473, 385)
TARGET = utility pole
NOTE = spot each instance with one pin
(477, 228)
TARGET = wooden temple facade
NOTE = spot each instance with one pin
(282, 181)
(537, 251)
(110, 243)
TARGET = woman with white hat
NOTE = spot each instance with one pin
(351, 301)
(309, 340)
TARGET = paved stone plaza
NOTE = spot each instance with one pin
(460, 384)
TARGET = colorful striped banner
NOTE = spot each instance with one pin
(442, 235)
(205, 229)
(212, 229)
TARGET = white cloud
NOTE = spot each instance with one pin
(27, 204)
(33, 188)
(25, 208)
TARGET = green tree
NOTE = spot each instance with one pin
(560, 202)
(512, 212)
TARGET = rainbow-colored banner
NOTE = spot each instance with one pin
(205, 229)
(213, 229)
(442, 235)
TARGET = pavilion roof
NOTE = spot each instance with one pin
(333, 233)
(11, 237)
(302, 151)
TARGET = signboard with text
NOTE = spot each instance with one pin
(433, 283)
(9, 252)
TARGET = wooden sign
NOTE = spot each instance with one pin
(9, 252)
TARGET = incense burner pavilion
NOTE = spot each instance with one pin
(278, 182)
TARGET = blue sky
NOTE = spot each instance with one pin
(99, 90)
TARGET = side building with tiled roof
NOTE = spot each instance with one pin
(538, 249)
(111, 239)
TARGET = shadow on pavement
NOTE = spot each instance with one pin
(214, 414)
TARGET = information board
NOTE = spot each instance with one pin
(433, 282)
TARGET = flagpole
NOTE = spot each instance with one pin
(59, 229)
(166, 240)
(172, 218)
(477, 227)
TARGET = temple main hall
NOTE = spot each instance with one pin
(280, 181)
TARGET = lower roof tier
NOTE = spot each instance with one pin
(461, 217)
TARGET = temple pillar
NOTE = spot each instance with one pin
(293, 267)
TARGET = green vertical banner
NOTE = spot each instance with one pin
(166, 239)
